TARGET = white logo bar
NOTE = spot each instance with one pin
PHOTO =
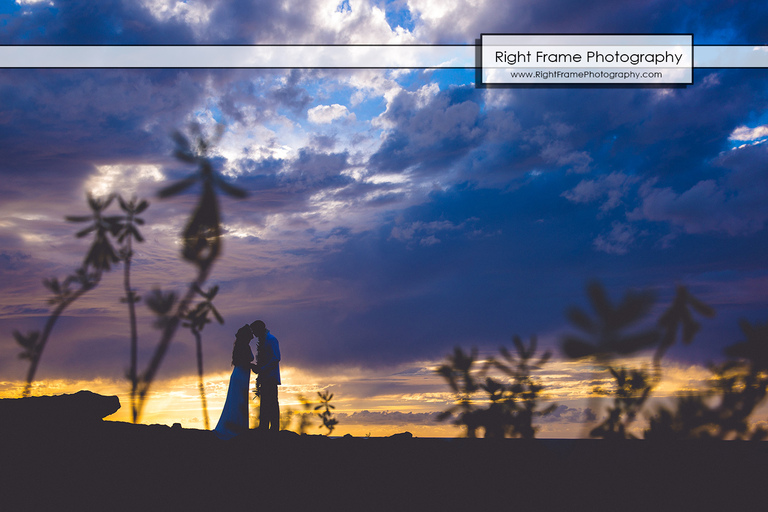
(240, 56)
(305, 56)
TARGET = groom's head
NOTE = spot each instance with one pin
(258, 328)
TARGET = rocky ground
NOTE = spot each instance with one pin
(83, 463)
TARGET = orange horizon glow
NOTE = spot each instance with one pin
(178, 401)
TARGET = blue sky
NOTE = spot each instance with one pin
(393, 214)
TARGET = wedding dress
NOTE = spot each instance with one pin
(234, 416)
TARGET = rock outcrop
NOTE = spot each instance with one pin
(81, 408)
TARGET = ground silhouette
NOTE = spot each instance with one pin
(103, 465)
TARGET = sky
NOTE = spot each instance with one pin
(393, 214)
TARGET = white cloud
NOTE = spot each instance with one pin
(326, 114)
(361, 23)
(193, 13)
(744, 133)
(435, 12)
(371, 83)
(122, 179)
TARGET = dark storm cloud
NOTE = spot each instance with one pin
(469, 267)
(61, 123)
(118, 22)
(653, 156)
(291, 95)
(324, 142)
(652, 133)
(458, 131)
(104, 22)
(738, 197)
(432, 137)
(713, 22)
(261, 21)
(286, 186)
(474, 266)
(314, 166)
(537, 190)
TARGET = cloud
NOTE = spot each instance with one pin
(611, 189)
(123, 179)
(109, 22)
(191, 13)
(428, 130)
(618, 240)
(425, 233)
(388, 418)
(448, 22)
(743, 133)
(729, 205)
(565, 414)
(326, 114)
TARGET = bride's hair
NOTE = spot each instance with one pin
(241, 354)
(244, 334)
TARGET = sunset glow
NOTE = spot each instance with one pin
(382, 404)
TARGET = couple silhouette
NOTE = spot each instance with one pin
(234, 416)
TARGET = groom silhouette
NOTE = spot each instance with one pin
(268, 370)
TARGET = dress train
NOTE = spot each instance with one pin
(234, 416)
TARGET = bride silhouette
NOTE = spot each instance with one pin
(234, 416)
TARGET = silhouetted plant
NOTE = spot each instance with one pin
(606, 333)
(737, 388)
(326, 416)
(161, 304)
(64, 295)
(753, 351)
(201, 238)
(127, 233)
(520, 397)
(303, 417)
(195, 321)
(632, 390)
(202, 235)
(690, 419)
(679, 316)
(513, 400)
(460, 374)
(99, 258)
(609, 339)
(102, 255)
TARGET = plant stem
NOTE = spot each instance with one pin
(38, 353)
(201, 385)
(129, 297)
(145, 381)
